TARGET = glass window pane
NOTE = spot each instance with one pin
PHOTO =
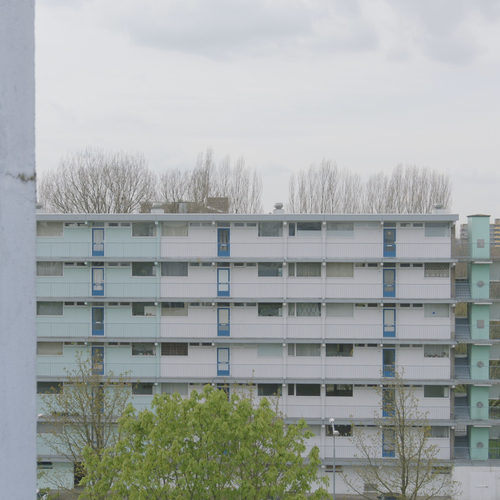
(269, 229)
(49, 268)
(49, 308)
(175, 229)
(174, 268)
(143, 229)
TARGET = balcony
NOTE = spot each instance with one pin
(137, 328)
(171, 369)
(269, 290)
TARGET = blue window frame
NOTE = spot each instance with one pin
(389, 283)
(389, 322)
(98, 321)
(223, 245)
(223, 361)
(98, 242)
(223, 278)
(97, 281)
(389, 243)
(223, 318)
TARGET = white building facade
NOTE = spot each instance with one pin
(314, 308)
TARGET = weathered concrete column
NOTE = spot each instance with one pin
(17, 251)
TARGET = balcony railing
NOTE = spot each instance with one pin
(278, 249)
(256, 330)
(334, 369)
(269, 289)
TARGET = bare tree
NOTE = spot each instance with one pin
(98, 181)
(398, 459)
(82, 411)
(242, 185)
(324, 188)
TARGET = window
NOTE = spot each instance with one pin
(49, 308)
(49, 388)
(435, 391)
(304, 309)
(144, 229)
(307, 389)
(437, 229)
(269, 389)
(180, 388)
(436, 351)
(309, 229)
(343, 430)
(291, 229)
(339, 390)
(143, 349)
(440, 432)
(49, 268)
(178, 228)
(47, 229)
(143, 309)
(270, 309)
(142, 389)
(437, 270)
(340, 229)
(174, 309)
(174, 268)
(271, 229)
(339, 310)
(307, 270)
(436, 310)
(174, 349)
(275, 350)
(304, 350)
(49, 348)
(143, 269)
(339, 270)
(270, 269)
(342, 350)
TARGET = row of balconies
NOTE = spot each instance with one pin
(134, 329)
(306, 249)
(172, 368)
(346, 414)
(344, 292)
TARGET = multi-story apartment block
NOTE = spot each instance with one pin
(314, 308)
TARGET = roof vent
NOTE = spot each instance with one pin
(278, 208)
(157, 208)
(40, 209)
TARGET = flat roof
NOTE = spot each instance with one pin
(225, 217)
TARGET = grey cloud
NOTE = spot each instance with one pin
(444, 30)
(229, 28)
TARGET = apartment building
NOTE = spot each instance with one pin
(313, 308)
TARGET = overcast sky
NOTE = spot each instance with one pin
(283, 83)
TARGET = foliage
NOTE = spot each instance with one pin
(82, 412)
(205, 447)
(398, 459)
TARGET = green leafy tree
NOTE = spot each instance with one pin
(81, 411)
(399, 460)
(205, 447)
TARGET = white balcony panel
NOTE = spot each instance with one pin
(311, 331)
(188, 250)
(300, 290)
(131, 289)
(61, 249)
(352, 372)
(266, 250)
(58, 289)
(356, 251)
(174, 369)
(62, 329)
(188, 330)
(135, 249)
(310, 249)
(188, 290)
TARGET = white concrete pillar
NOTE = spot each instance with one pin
(17, 251)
